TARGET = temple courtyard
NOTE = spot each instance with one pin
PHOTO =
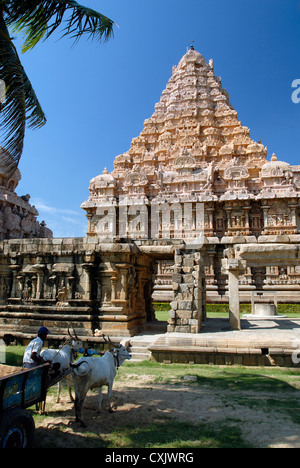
(193, 213)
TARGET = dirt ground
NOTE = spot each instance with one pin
(138, 401)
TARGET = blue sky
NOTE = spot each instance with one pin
(97, 96)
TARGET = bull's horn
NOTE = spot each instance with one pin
(113, 344)
(108, 341)
(103, 336)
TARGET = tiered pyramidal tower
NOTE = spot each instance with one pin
(194, 130)
(194, 149)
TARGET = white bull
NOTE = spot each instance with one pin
(94, 372)
(63, 356)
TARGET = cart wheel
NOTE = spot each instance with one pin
(16, 429)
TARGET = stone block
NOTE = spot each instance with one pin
(188, 261)
(187, 305)
(177, 278)
(187, 269)
(182, 329)
(183, 314)
(187, 279)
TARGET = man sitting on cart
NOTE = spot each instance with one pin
(32, 357)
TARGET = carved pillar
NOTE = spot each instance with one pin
(210, 278)
(228, 210)
(39, 285)
(210, 213)
(293, 218)
(39, 269)
(14, 269)
(87, 267)
(90, 231)
(265, 209)
(114, 280)
(247, 209)
(124, 279)
(53, 284)
(4, 283)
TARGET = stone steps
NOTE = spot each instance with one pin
(139, 353)
(139, 347)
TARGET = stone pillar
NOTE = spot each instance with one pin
(14, 269)
(39, 285)
(39, 269)
(86, 283)
(233, 267)
(4, 283)
(265, 209)
(186, 313)
(87, 267)
(233, 290)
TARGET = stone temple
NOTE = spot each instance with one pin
(18, 219)
(193, 212)
(194, 149)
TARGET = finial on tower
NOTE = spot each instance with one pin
(274, 157)
(191, 47)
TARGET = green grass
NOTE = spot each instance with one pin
(178, 435)
(14, 355)
(271, 392)
(222, 310)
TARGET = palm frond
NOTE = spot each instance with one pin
(35, 117)
(21, 107)
(39, 20)
(13, 111)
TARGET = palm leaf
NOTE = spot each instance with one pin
(39, 20)
(21, 106)
(13, 112)
(35, 117)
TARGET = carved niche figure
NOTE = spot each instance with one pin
(209, 175)
(62, 296)
(27, 291)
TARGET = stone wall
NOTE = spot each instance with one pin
(76, 282)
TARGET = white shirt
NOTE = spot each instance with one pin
(35, 346)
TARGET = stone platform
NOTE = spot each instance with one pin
(259, 343)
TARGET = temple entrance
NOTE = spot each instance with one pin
(187, 299)
(158, 293)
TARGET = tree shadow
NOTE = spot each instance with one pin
(198, 414)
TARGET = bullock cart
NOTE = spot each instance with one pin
(19, 389)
